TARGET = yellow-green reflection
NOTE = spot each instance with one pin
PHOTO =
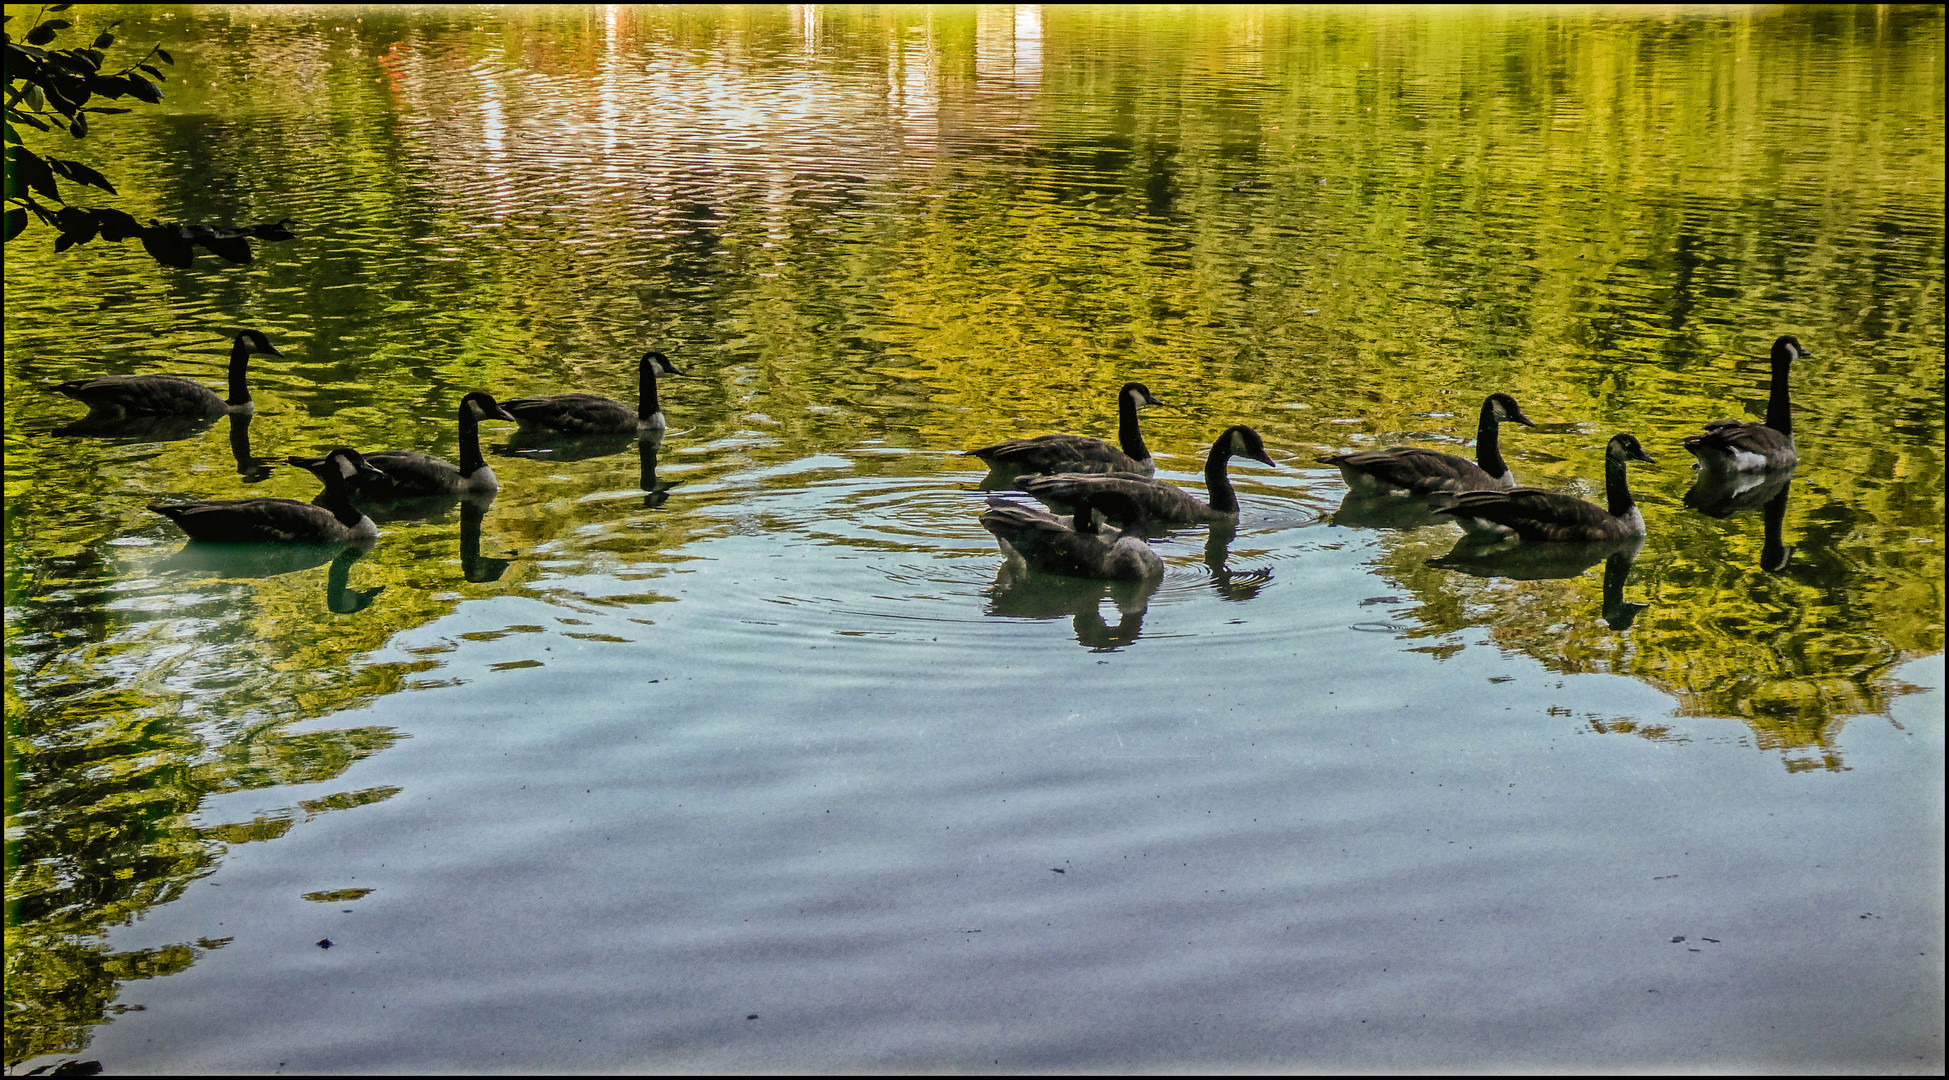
(916, 229)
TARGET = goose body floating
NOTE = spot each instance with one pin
(583, 415)
(1157, 500)
(116, 396)
(409, 474)
(1080, 453)
(1537, 516)
(331, 520)
(1409, 470)
(1743, 446)
(1044, 542)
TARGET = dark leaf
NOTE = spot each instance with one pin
(44, 33)
(12, 136)
(163, 55)
(16, 221)
(104, 39)
(78, 127)
(64, 241)
(29, 171)
(79, 173)
(109, 86)
(166, 247)
(234, 248)
(140, 87)
(152, 71)
(108, 109)
(31, 122)
(116, 225)
(90, 57)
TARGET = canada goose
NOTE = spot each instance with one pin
(283, 521)
(581, 415)
(409, 474)
(1539, 516)
(1044, 542)
(1158, 500)
(170, 395)
(1079, 453)
(1743, 446)
(1410, 470)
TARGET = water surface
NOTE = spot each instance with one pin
(741, 751)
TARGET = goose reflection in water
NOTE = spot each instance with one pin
(540, 444)
(160, 429)
(1363, 510)
(1026, 594)
(1720, 494)
(209, 560)
(1233, 585)
(474, 566)
(655, 492)
(1540, 562)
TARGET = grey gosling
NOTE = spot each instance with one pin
(332, 520)
(1410, 470)
(1080, 453)
(111, 396)
(1158, 500)
(1537, 516)
(583, 415)
(1044, 542)
(409, 474)
(1743, 446)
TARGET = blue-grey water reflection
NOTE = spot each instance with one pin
(739, 749)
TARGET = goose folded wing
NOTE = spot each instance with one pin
(269, 520)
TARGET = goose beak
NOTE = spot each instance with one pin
(1637, 453)
(304, 462)
(271, 350)
(1523, 420)
(502, 414)
(367, 468)
(1262, 456)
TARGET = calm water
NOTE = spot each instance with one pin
(739, 752)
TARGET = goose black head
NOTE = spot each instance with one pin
(1504, 408)
(1139, 393)
(1625, 447)
(342, 462)
(1787, 348)
(1246, 443)
(484, 407)
(659, 363)
(255, 341)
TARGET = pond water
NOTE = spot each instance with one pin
(740, 751)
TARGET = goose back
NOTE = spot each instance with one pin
(1050, 544)
(1080, 453)
(411, 474)
(1538, 516)
(110, 396)
(1734, 445)
(1409, 470)
(584, 415)
(332, 520)
(1157, 500)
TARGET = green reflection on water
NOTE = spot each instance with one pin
(913, 229)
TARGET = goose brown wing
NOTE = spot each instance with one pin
(1048, 543)
(1118, 496)
(1534, 514)
(1739, 436)
(1412, 468)
(573, 414)
(1059, 453)
(281, 521)
(137, 395)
